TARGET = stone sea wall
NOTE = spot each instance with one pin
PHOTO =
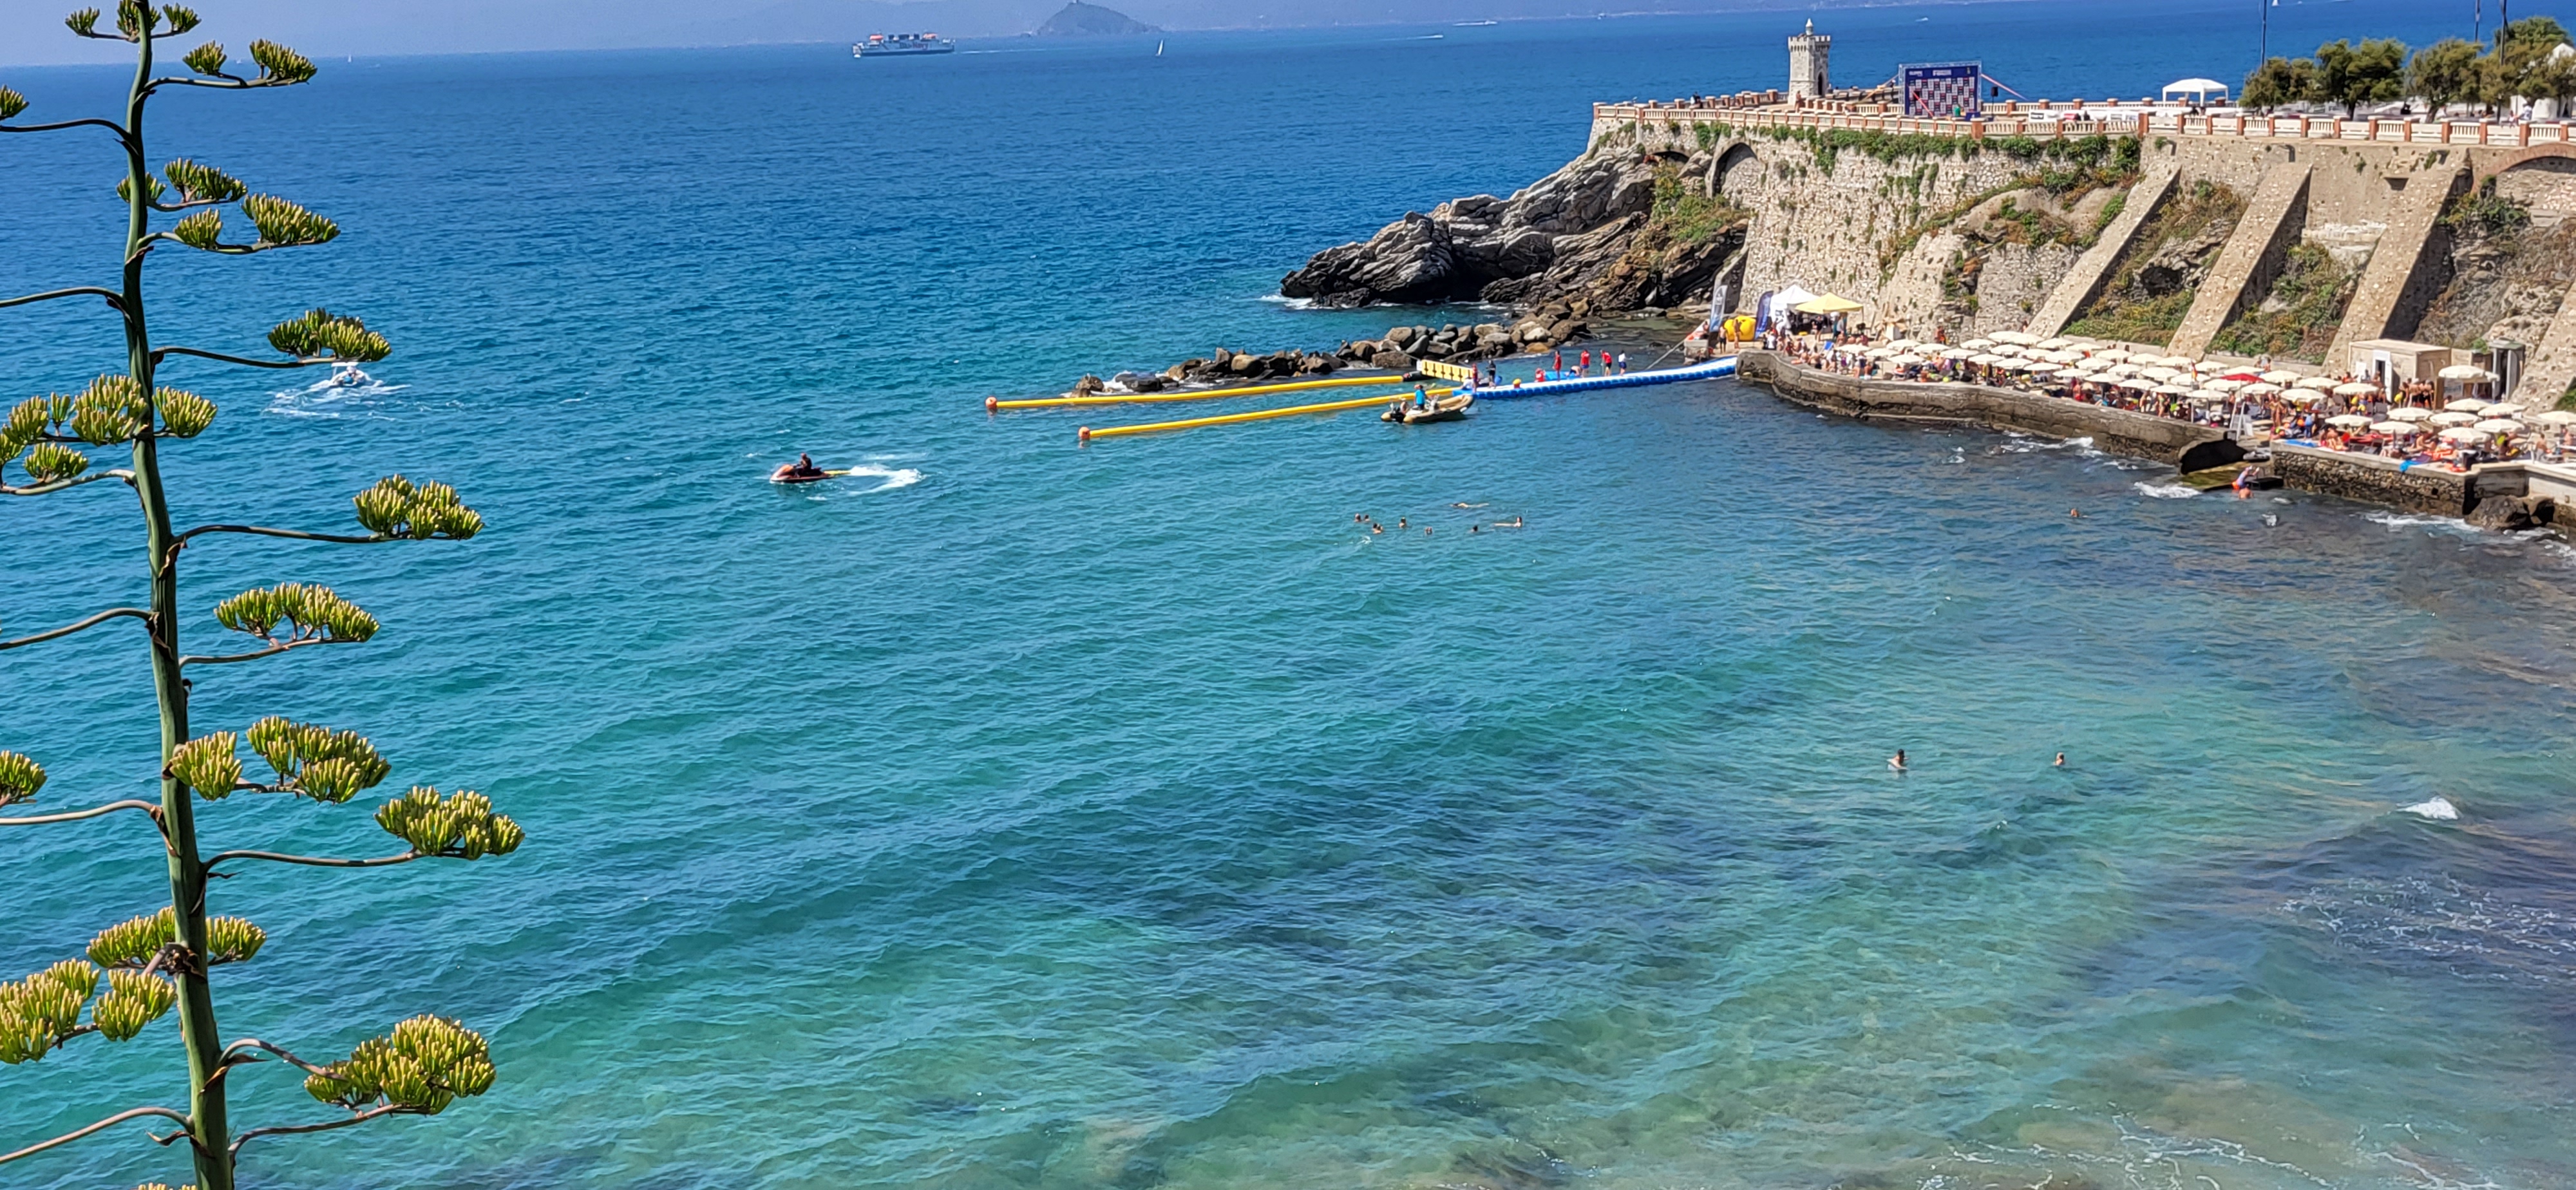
(2119, 431)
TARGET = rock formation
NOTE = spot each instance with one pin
(1078, 19)
(1613, 231)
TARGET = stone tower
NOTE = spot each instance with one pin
(1807, 64)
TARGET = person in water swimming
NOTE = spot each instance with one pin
(2060, 762)
(1897, 762)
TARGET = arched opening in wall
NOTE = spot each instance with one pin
(1737, 172)
(2544, 186)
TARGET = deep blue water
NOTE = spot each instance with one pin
(1027, 814)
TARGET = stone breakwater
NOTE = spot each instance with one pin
(2120, 431)
(1398, 350)
(2507, 497)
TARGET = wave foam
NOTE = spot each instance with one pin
(894, 477)
(2439, 809)
(2166, 491)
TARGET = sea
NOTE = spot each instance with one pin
(1016, 813)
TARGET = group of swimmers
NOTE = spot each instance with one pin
(1896, 763)
(1375, 529)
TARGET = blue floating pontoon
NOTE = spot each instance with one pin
(1710, 370)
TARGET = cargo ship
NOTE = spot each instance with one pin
(887, 45)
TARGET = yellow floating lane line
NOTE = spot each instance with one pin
(1086, 433)
(996, 404)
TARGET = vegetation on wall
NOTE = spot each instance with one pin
(2151, 288)
(1687, 214)
(2298, 319)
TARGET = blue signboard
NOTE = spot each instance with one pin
(1943, 90)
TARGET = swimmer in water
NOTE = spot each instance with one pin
(1375, 527)
(1896, 763)
(1474, 529)
(2074, 512)
(1513, 523)
(1399, 523)
(2061, 761)
(1464, 504)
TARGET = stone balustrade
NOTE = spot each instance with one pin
(2044, 121)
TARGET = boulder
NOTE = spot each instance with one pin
(1530, 331)
(2509, 514)
(1399, 338)
(1240, 363)
(1463, 247)
(1391, 361)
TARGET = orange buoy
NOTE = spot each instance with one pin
(992, 404)
(1083, 434)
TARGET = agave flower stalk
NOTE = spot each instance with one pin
(142, 971)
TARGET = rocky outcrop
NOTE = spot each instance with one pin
(1589, 232)
(1091, 20)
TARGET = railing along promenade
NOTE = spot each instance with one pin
(2044, 121)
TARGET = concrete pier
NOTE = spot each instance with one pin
(2120, 431)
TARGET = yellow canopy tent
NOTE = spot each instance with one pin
(1828, 304)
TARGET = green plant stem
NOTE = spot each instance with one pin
(151, 808)
(209, 1133)
(68, 629)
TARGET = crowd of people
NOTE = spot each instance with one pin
(2451, 421)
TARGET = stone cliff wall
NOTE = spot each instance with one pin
(1924, 222)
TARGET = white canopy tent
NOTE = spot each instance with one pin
(2202, 91)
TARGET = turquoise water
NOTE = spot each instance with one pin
(1022, 814)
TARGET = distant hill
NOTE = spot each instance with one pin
(1091, 20)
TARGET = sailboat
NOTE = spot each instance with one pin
(1158, 49)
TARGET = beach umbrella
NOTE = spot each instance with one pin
(2053, 343)
(2349, 421)
(2111, 356)
(2260, 388)
(2016, 338)
(2170, 390)
(2462, 434)
(2320, 383)
(1978, 344)
(2138, 383)
(2209, 397)
(2466, 372)
(1958, 353)
(2467, 405)
(1902, 344)
(2498, 425)
(1828, 304)
(2502, 409)
(2410, 413)
(2303, 396)
(1987, 361)
(2355, 389)
(2556, 417)
(2223, 385)
(2065, 357)
(2276, 376)
(2158, 373)
(1908, 360)
(2453, 419)
(1879, 352)
(2121, 370)
(2397, 428)
(2176, 361)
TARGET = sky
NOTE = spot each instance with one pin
(31, 31)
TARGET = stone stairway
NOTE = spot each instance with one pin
(2251, 260)
(2405, 270)
(2085, 279)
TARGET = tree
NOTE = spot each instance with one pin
(2444, 73)
(138, 971)
(2372, 72)
(2278, 83)
(2544, 32)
